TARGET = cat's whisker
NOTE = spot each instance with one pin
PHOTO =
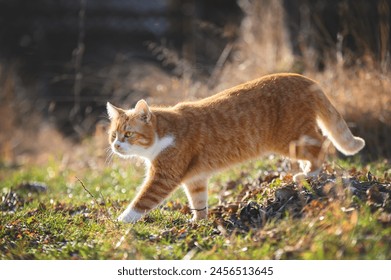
(109, 156)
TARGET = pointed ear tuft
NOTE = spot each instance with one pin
(112, 111)
(142, 109)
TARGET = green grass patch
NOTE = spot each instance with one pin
(257, 212)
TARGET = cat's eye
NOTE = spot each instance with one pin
(114, 135)
(128, 134)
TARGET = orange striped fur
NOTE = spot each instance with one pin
(186, 143)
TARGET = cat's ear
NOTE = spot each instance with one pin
(142, 109)
(112, 111)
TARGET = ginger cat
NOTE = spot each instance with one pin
(185, 144)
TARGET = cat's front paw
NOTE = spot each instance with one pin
(199, 215)
(130, 216)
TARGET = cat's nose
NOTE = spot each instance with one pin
(117, 146)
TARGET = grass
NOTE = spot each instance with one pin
(70, 218)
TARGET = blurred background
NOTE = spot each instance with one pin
(62, 60)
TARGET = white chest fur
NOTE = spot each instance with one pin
(158, 146)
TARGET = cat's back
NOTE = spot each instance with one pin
(274, 85)
(272, 89)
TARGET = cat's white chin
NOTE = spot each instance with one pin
(123, 155)
(130, 216)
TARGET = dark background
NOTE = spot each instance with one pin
(59, 48)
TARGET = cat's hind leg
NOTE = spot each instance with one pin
(309, 150)
(197, 194)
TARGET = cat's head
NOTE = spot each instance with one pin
(131, 132)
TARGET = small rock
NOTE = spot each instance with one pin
(374, 195)
(385, 218)
(36, 187)
(284, 193)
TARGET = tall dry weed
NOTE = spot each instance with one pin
(25, 134)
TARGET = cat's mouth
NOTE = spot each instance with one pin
(118, 150)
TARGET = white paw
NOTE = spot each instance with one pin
(130, 216)
(199, 215)
(299, 177)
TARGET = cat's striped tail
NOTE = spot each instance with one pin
(335, 128)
